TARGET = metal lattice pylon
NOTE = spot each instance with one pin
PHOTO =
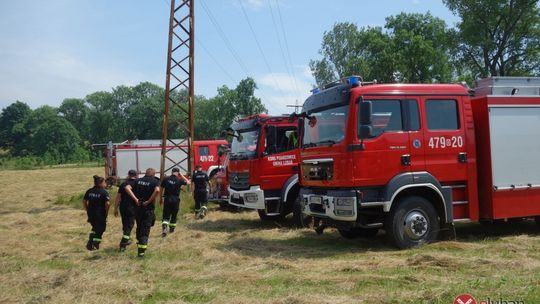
(179, 108)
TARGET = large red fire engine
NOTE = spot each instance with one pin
(263, 166)
(142, 154)
(415, 158)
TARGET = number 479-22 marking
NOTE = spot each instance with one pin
(445, 142)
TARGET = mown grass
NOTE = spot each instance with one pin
(234, 258)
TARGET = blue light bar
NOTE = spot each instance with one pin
(315, 91)
(354, 81)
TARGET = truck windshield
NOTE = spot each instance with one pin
(244, 145)
(325, 127)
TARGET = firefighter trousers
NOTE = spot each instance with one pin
(171, 206)
(145, 219)
(201, 199)
(127, 213)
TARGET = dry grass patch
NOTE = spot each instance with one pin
(234, 258)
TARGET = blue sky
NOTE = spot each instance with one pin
(51, 50)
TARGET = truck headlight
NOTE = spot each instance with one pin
(344, 201)
(251, 197)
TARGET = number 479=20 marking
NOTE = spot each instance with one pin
(445, 142)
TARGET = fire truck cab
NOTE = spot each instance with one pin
(412, 159)
(263, 165)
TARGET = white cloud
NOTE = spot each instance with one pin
(254, 4)
(415, 2)
(277, 90)
(49, 75)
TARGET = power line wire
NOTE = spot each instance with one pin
(287, 47)
(229, 46)
(265, 59)
(281, 44)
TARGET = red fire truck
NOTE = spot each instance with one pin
(413, 159)
(142, 154)
(263, 166)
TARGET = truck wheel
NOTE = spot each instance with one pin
(300, 219)
(358, 232)
(412, 223)
(265, 217)
(537, 219)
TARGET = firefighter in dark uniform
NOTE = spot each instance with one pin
(96, 204)
(125, 204)
(171, 200)
(144, 192)
(200, 191)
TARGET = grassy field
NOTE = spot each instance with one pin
(234, 258)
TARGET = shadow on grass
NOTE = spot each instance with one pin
(474, 232)
(238, 224)
(307, 245)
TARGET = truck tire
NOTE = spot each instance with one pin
(537, 220)
(299, 218)
(265, 217)
(413, 222)
(358, 232)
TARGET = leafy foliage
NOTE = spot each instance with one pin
(410, 48)
(498, 37)
(49, 135)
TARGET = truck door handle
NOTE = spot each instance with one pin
(406, 160)
(462, 157)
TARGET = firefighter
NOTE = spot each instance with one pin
(125, 204)
(200, 191)
(144, 192)
(96, 204)
(171, 200)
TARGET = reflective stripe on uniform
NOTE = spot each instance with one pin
(165, 223)
(126, 237)
(172, 224)
(142, 246)
(96, 240)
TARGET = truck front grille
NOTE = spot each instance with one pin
(239, 180)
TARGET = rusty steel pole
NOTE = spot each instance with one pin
(178, 114)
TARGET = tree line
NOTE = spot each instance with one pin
(492, 38)
(66, 133)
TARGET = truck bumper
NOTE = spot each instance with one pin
(338, 205)
(251, 199)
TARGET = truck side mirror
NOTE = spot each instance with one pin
(365, 131)
(365, 112)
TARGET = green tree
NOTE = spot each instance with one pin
(103, 110)
(498, 37)
(410, 48)
(349, 50)
(75, 111)
(216, 114)
(55, 140)
(12, 128)
(422, 45)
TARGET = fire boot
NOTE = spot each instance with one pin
(124, 242)
(164, 229)
(202, 212)
(95, 243)
(172, 226)
(90, 241)
(141, 250)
